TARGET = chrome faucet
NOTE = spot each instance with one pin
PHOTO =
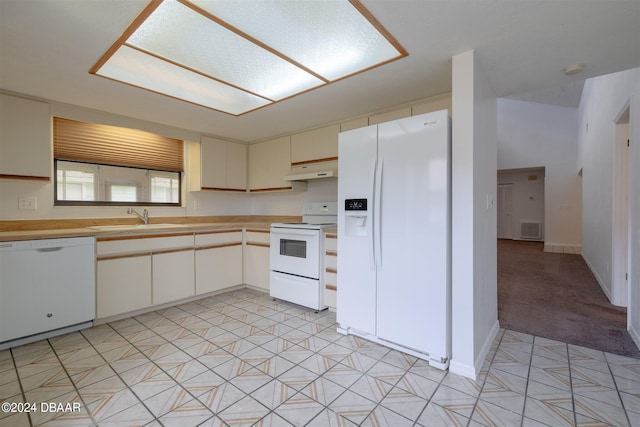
(144, 217)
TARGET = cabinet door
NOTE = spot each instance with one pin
(361, 122)
(236, 166)
(25, 138)
(390, 116)
(269, 162)
(315, 145)
(256, 262)
(223, 164)
(218, 268)
(213, 163)
(124, 284)
(173, 275)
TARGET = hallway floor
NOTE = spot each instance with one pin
(556, 296)
(241, 359)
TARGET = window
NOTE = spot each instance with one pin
(165, 187)
(79, 183)
(98, 164)
(123, 193)
(76, 182)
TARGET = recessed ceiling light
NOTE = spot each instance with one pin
(238, 56)
(573, 69)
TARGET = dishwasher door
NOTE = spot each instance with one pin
(45, 285)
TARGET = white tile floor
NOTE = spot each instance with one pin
(241, 359)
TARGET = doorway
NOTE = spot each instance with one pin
(620, 244)
(505, 211)
(520, 204)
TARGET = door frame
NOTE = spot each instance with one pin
(621, 193)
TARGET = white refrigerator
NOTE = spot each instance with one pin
(394, 235)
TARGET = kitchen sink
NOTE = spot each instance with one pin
(125, 227)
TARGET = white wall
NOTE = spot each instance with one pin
(603, 99)
(211, 203)
(291, 203)
(474, 263)
(528, 197)
(199, 203)
(540, 135)
(207, 202)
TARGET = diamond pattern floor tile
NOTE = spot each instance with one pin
(241, 358)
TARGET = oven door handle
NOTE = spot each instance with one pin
(290, 232)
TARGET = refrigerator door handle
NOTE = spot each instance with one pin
(377, 219)
(372, 214)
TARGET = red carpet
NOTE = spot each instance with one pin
(556, 296)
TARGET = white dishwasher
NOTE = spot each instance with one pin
(46, 285)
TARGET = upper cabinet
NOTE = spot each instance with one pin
(223, 165)
(388, 116)
(25, 139)
(269, 162)
(357, 123)
(317, 145)
(435, 103)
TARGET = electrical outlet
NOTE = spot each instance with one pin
(197, 205)
(28, 203)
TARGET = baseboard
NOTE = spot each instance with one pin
(562, 248)
(463, 369)
(606, 291)
(45, 335)
(486, 347)
(140, 311)
(472, 371)
(635, 335)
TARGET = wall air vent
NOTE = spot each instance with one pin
(530, 230)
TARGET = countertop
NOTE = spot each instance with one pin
(19, 233)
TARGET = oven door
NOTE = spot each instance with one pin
(295, 251)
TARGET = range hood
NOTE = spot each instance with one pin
(310, 171)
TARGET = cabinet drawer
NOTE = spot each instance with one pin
(330, 243)
(218, 237)
(331, 260)
(258, 236)
(331, 279)
(129, 244)
(330, 297)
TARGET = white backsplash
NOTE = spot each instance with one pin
(201, 203)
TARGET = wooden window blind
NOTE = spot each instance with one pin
(113, 145)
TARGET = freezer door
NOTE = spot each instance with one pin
(356, 295)
(414, 229)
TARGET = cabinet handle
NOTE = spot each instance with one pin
(59, 248)
(49, 314)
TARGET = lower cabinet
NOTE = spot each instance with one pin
(173, 276)
(256, 258)
(134, 273)
(123, 284)
(331, 269)
(218, 268)
(218, 260)
(137, 272)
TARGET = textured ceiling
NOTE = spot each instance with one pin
(48, 46)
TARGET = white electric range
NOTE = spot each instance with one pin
(297, 256)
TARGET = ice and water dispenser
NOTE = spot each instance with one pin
(357, 217)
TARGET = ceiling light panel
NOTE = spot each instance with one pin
(237, 55)
(331, 38)
(136, 68)
(182, 35)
